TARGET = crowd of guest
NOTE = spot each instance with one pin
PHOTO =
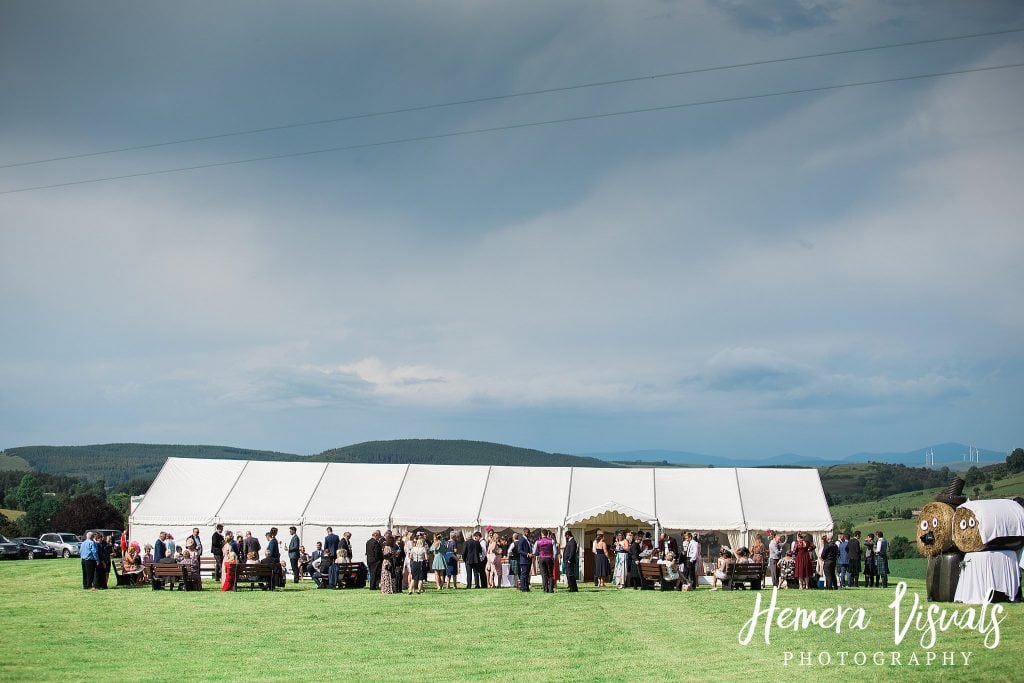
(839, 564)
(405, 563)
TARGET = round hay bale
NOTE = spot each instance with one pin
(935, 529)
(967, 531)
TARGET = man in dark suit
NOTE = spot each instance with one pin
(571, 555)
(667, 544)
(853, 552)
(474, 559)
(829, 558)
(251, 545)
(524, 548)
(217, 548)
(331, 542)
(374, 559)
(274, 557)
(293, 553)
(160, 548)
(633, 562)
(346, 545)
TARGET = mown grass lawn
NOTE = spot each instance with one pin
(53, 629)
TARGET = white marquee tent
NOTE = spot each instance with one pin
(355, 497)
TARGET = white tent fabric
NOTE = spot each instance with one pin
(361, 497)
(783, 499)
(628, 488)
(352, 497)
(520, 497)
(188, 492)
(611, 506)
(355, 494)
(271, 493)
(699, 498)
(440, 496)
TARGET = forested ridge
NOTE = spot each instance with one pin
(122, 462)
(453, 452)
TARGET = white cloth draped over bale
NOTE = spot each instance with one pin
(986, 571)
(997, 518)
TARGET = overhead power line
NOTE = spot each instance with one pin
(515, 126)
(494, 98)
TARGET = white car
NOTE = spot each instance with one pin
(65, 544)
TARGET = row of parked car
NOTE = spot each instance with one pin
(50, 545)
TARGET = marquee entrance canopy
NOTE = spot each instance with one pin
(358, 497)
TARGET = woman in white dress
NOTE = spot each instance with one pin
(407, 545)
(621, 551)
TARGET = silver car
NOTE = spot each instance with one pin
(65, 544)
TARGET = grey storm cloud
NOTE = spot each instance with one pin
(823, 270)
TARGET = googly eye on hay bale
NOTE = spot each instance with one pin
(988, 525)
(935, 529)
(966, 533)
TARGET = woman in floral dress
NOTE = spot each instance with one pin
(387, 569)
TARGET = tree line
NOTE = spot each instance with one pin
(62, 503)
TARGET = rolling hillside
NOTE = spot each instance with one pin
(865, 516)
(453, 452)
(13, 462)
(117, 463)
(951, 454)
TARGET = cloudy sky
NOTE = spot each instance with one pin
(822, 273)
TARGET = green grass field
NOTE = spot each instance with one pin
(13, 462)
(52, 629)
(11, 514)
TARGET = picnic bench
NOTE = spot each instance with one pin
(169, 574)
(352, 574)
(652, 573)
(741, 573)
(207, 565)
(131, 580)
(261, 575)
(347, 575)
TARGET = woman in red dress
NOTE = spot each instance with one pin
(803, 560)
(230, 566)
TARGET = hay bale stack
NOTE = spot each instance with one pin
(988, 525)
(935, 529)
(966, 532)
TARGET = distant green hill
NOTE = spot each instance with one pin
(13, 462)
(877, 514)
(855, 482)
(122, 462)
(453, 452)
(119, 462)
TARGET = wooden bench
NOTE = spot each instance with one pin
(744, 573)
(350, 575)
(654, 573)
(169, 574)
(261, 575)
(207, 565)
(130, 580)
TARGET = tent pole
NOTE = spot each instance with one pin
(302, 516)
(216, 515)
(568, 499)
(743, 513)
(483, 497)
(391, 512)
